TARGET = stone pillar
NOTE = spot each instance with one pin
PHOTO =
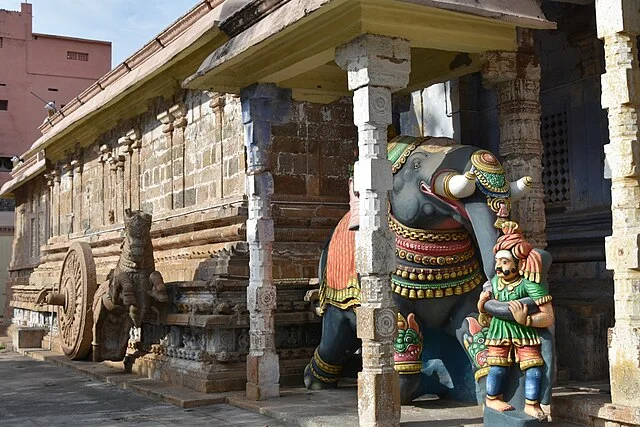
(136, 175)
(618, 23)
(104, 182)
(376, 66)
(76, 196)
(124, 148)
(217, 104)
(167, 119)
(50, 205)
(262, 104)
(55, 203)
(179, 113)
(516, 78)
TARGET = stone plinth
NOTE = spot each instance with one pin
(26, 337)
(514, 418)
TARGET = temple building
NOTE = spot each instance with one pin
(236, 129)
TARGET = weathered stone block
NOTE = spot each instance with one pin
(376, 323)
(617, 16)
(378, 399)
(26, 337)
(623, 251)
(375, 60)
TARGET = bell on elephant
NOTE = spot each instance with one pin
(445, 209)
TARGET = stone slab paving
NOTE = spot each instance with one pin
(33, 393)
(64, 392)
(338, 408)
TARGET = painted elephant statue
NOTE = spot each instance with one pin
(446, 207)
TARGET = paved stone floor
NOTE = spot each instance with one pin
(60, 392)
(34, 393)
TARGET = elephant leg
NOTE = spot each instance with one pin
(337, 346)
(408, 350)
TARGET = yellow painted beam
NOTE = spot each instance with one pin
(430, 66)
(428, 27)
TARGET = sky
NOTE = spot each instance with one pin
(127, 24)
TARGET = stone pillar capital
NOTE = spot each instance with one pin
(76, 165)
(375, 61)
(265, 102)
(217, 100)
(617, 16)
(179, 112)
(166, 118)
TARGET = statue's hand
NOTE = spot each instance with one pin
(484, 297)
(520, 311)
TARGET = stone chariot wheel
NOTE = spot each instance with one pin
(76, 289)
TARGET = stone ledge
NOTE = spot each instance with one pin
(156, 390)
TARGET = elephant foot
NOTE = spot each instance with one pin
(409, 384)
(312, 382)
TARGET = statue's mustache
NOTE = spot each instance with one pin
(501, 270)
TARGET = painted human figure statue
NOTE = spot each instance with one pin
(518, 273)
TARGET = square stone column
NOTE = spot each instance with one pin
(618, 23)
(515, 76)
(376, 66)
(262, 104)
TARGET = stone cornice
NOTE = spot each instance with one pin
(248, 15)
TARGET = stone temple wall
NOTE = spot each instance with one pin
(183, 161)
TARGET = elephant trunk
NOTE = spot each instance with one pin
(520, 188)
(453, 185)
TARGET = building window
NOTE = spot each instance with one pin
(3, 84)
(52, 89)
(4, 104)
(555, 138)
(1, 41)
(77, 56)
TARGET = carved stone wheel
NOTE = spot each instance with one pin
(78, 285)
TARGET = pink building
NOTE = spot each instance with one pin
(55, 68)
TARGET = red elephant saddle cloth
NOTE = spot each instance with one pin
(340, 286)
(434, 263)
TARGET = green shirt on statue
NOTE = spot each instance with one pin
(509, 332)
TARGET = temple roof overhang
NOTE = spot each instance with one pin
(292, 43)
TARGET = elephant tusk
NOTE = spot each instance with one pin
(520, 188)
(453, 185)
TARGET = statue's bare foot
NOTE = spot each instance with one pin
(498, 405)
(535, 411)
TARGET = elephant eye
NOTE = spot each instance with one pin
(416, 164)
